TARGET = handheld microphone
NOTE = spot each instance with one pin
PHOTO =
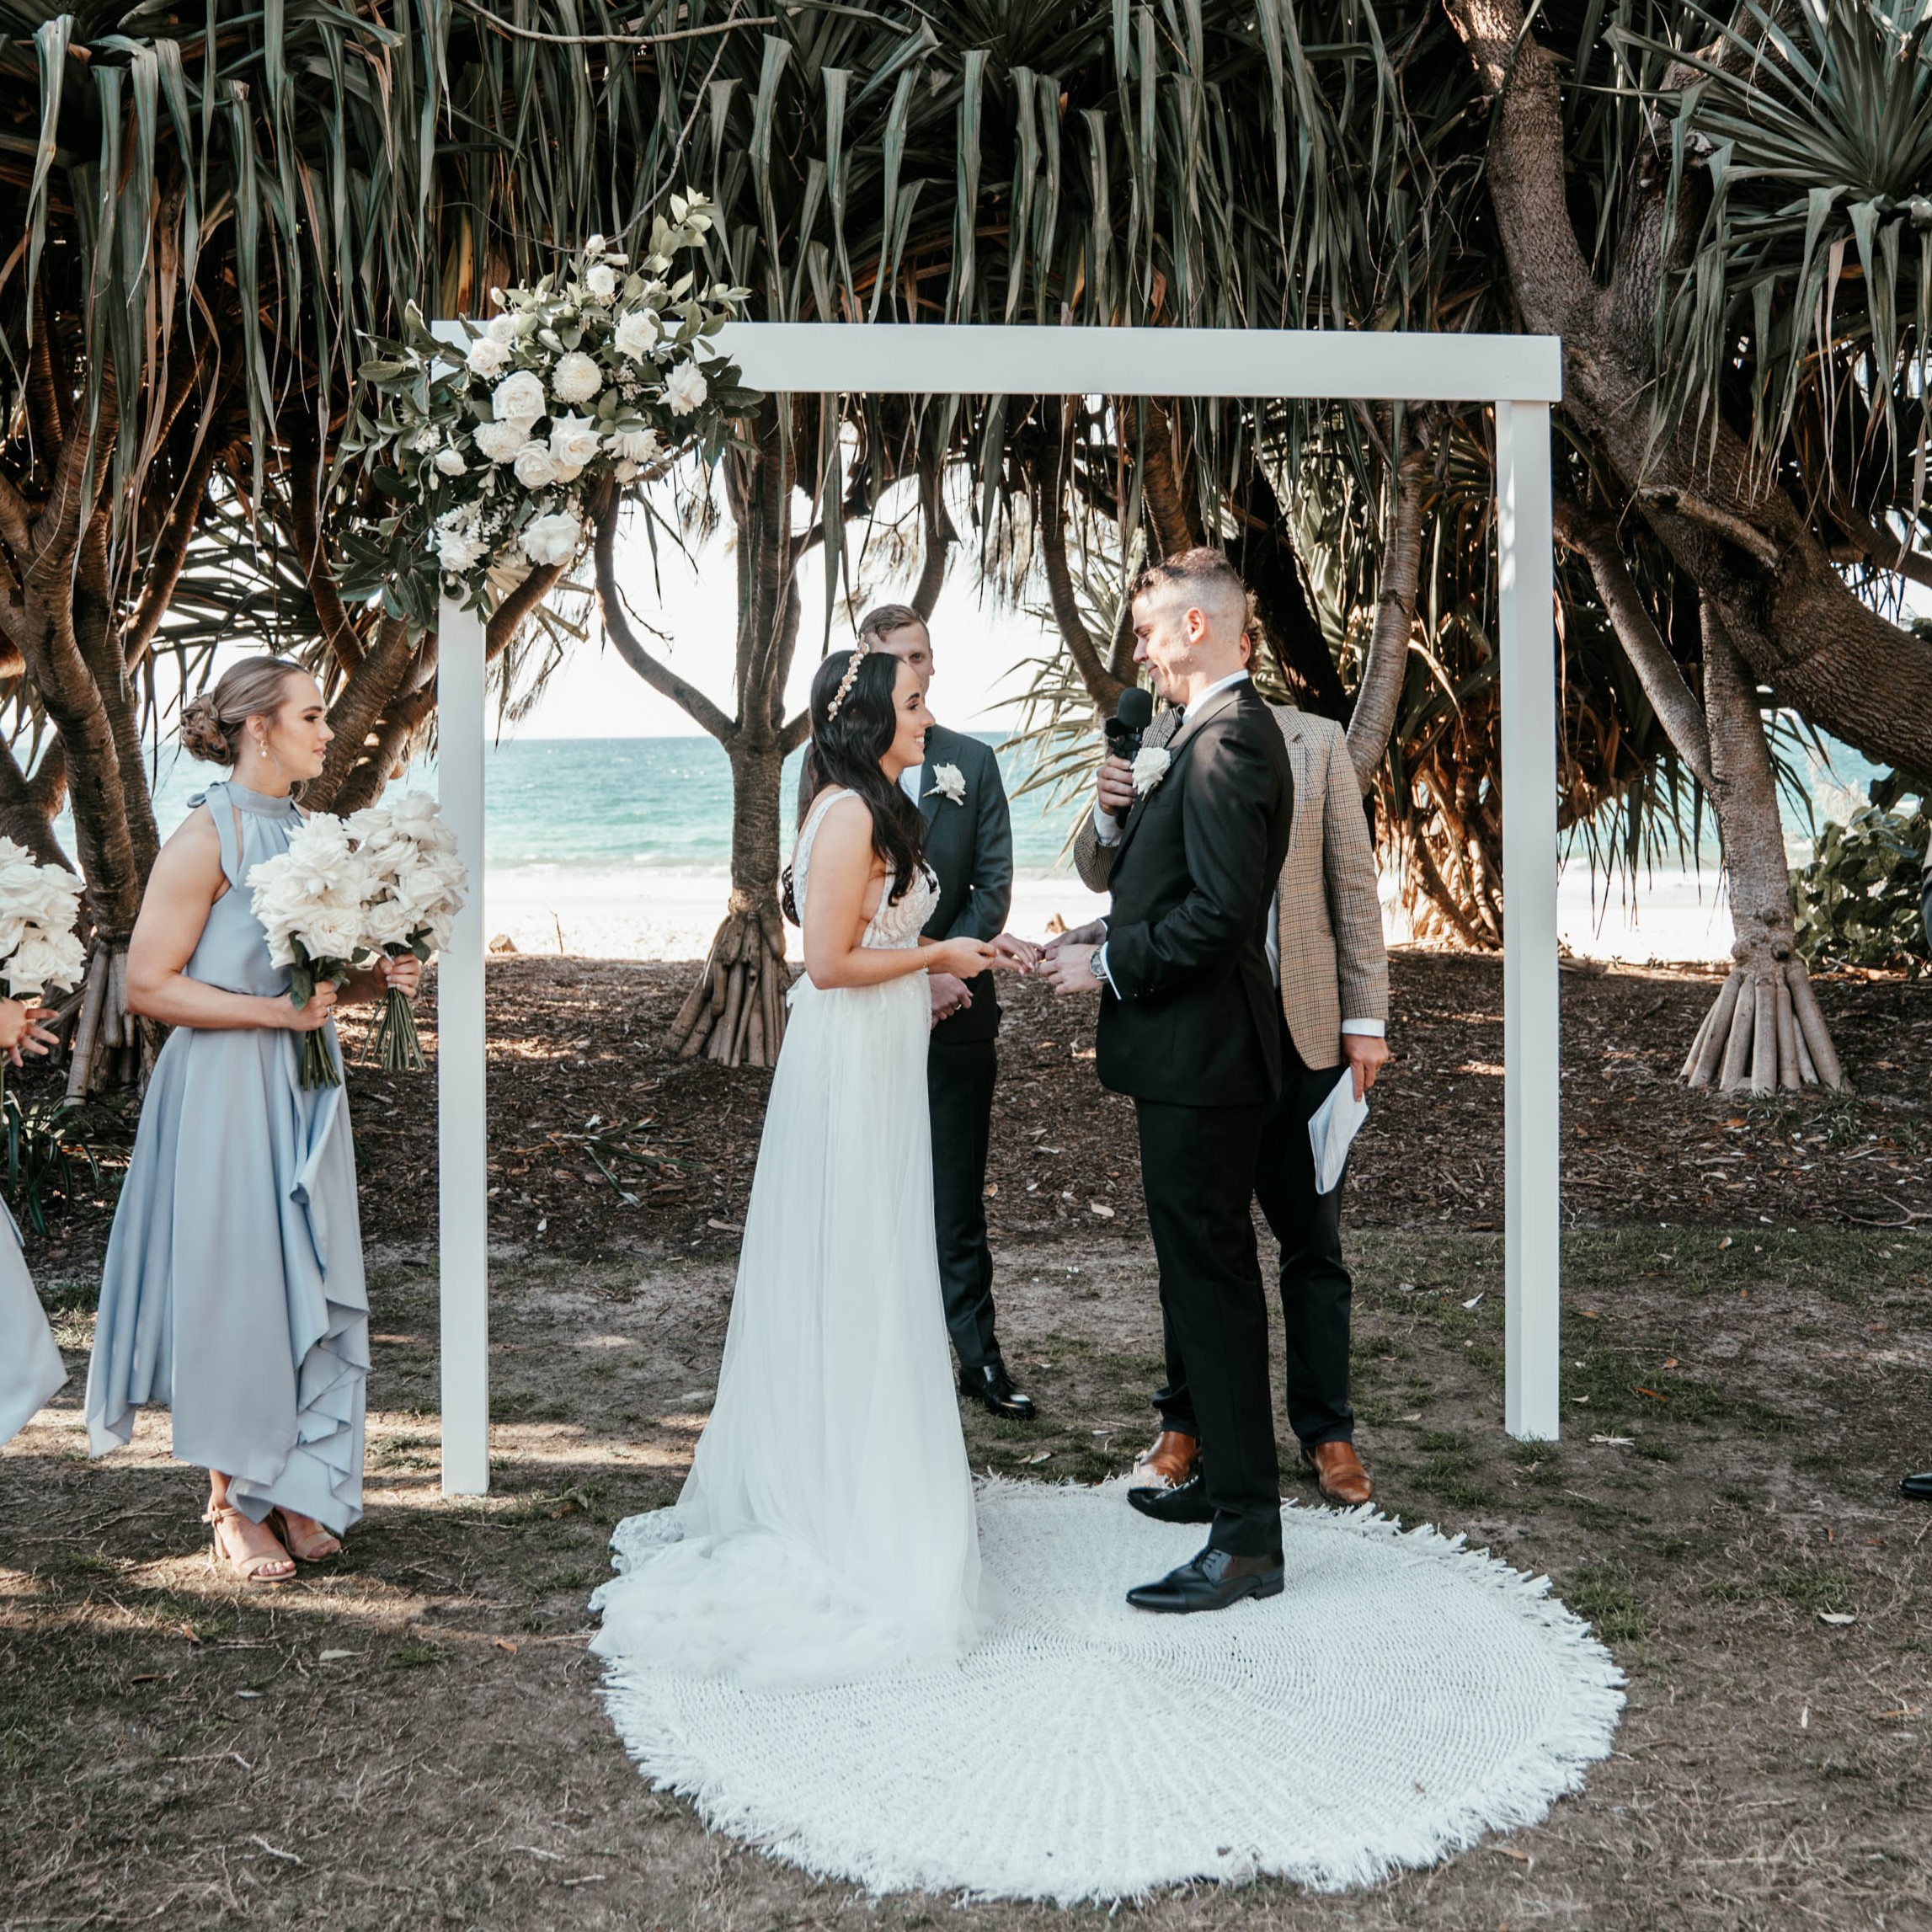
(1131, 718)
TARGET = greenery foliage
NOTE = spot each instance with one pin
(1859, 901)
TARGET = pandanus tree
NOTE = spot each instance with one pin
(1725, 214)
(209, 216)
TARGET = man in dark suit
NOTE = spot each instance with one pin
(1189, 1026)
(969, 846)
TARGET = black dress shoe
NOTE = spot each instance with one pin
(1918, 1485)
(1213, 1581)
(1185, 1503)
(993, 1386)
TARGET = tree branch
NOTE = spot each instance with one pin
(1671, 698)
(659, 676)
(1049, 518)
(1386, 666)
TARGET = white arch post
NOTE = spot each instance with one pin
(1520, 375)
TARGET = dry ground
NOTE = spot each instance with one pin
(419, 1726)
(412, 1738)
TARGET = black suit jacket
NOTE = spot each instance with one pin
(969, 846)
(1190, 1018)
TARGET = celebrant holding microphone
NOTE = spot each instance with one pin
(233, 1288)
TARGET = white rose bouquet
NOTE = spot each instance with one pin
(416, 886)
(309, 901)
(492, 449)
(38, 905)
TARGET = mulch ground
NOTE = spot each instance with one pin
(412, 1737)
(579, 1068)
(602, 1141)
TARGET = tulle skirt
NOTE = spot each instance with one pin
(827, 1527)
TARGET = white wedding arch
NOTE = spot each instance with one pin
(1520, 374)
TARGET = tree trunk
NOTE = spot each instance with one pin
(1726, 521)
(1764, 1031)
(736, 1011)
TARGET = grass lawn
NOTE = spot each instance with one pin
(413, 1737)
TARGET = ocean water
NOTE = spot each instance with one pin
(621, 847)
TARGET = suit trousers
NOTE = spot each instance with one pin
(1317, 1291)
(959, 1080)
(1197, 1172)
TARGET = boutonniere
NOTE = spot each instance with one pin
(949, 781)
(1150, 764)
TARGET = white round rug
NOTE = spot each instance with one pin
(1403, 1697)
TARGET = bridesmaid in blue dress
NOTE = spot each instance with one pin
(233, 1289)
(30, 1365)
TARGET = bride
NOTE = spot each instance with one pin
(826, 1528)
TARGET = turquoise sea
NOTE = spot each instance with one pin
(610, 804)
(605, 804)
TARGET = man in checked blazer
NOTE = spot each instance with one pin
(1329, 962)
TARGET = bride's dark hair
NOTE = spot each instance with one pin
(846, 750)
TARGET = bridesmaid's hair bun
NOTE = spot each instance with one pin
(211, 723)
(201, 733)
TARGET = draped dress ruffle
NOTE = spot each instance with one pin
(233, 1289)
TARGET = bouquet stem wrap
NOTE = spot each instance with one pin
(398, 1049)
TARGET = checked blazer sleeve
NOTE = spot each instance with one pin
(1348, 869)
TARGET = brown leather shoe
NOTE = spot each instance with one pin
(1173, 1461)
(1338, 1473)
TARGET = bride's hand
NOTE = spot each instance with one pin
(965, 959)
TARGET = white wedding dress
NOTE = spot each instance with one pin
(826, 1530)
(804, 1646)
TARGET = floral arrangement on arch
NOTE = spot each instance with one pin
(491, 452)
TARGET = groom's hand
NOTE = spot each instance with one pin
(949, 995)
(1091, 934)
(1114, 786)
(1069, 969)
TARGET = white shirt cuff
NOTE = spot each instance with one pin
(1107, 827)
(1375, 1029)
(1101, 970)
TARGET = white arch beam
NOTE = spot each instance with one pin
(1521, 376)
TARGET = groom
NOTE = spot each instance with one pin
(969, 846)
(1188, 1026)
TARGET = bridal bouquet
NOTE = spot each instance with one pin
(416, 886)
(38, 906)
(310, 900)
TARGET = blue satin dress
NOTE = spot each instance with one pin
(233, 1289)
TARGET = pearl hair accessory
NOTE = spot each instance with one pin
(844, 692)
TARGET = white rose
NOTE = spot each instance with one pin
(636, 334)
(501, 442)
(551, 539)
(451, 463)
(535, 467)
(502, 328)
(385, 923)
(576, 378)
(638, 445)
(456, 550)
(518, 398)
(626, 472)
(488, 357)
(685, 388)
(601, 282)
(574, 440)
(332, 932)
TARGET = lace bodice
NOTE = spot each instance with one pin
(891, 925)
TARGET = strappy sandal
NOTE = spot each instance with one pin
(319, 1547)
(258, 1567)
